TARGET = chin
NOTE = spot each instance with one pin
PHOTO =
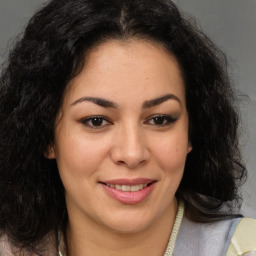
(130, 223)
(129, 229)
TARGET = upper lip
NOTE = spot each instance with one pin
(130, 182)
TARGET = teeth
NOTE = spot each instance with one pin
(135, 188)
(118, 187)
(128, 188)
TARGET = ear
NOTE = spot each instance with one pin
(50, 152)
(189, 148)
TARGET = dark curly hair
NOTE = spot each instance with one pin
(51, 52)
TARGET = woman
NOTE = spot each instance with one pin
(118, 135)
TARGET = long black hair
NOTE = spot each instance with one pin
(51, 52)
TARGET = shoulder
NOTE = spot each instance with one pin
(203, 238)
(210, 238)
(243, 240)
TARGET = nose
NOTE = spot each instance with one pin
(130, 147)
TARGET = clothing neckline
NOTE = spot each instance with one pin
(175, 230)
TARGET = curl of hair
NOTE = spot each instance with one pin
(51, 52)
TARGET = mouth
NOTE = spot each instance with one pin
(128, 191)
(128, 188)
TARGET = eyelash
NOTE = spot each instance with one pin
(165, 119)
(100, 119)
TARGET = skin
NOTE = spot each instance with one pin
(128, 142)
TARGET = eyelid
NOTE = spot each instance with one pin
(85, 121)
(169, 118)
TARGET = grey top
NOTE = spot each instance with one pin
(211, 239)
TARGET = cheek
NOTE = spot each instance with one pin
(171, 153)
(77, 155)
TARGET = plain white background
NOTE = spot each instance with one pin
(231, 24)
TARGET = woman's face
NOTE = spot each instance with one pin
(121, 137)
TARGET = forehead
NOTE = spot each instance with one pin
(119, 67)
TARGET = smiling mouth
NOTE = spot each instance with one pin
(129, 191)
(128, 188)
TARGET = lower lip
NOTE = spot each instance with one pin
(129, 197)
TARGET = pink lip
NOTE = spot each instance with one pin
(128, 181)
(129, 197)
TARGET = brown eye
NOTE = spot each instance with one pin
(161, 120)
(95, 122)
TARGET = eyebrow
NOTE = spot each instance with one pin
(158, 101)
(98, 101)
(109, 104)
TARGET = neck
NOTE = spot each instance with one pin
(89, 238)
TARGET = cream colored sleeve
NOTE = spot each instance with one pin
(243, 241)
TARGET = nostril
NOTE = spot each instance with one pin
(131, 164)
(121, 162)
(129, 154)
